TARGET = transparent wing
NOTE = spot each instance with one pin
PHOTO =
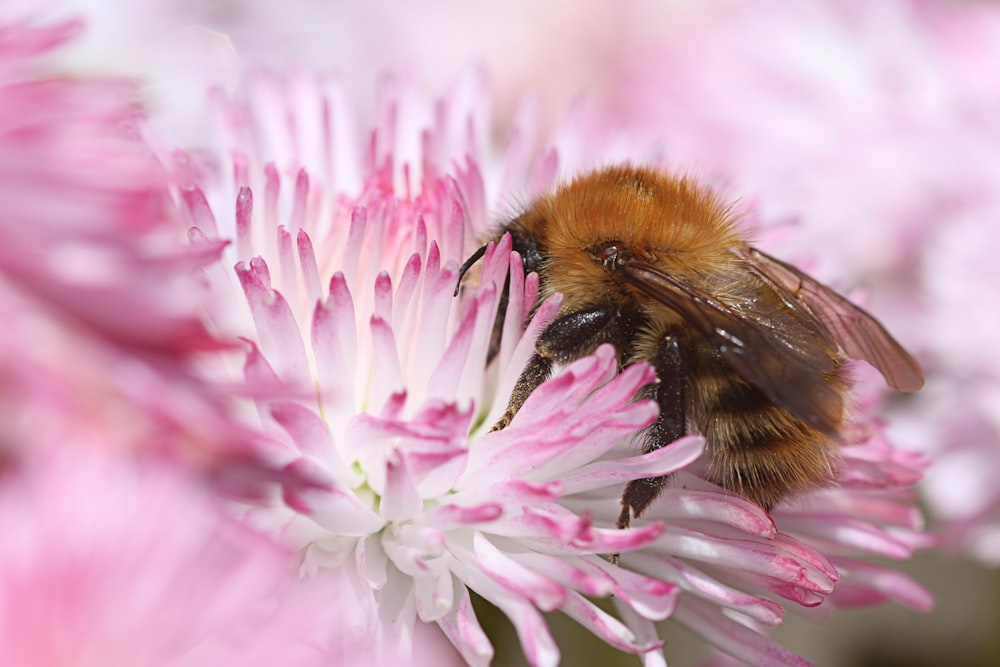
(859, 334)
(783, 352)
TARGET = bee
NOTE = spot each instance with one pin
(748, 351)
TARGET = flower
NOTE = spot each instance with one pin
(402, 510)
(311, 371)
(105, 562)
(97, 267)
(375, 377)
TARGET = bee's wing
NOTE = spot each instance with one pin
(859, 334)
(784, 353)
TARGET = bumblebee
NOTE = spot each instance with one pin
(749, 351)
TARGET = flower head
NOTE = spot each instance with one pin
(375, 378)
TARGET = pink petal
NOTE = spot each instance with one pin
(334, 343)
(665, 460)
(453, 239)
(841, 531)
(605, 626)
(570, 387)
(408, 282)
(696, 582)
(310, 270)
(277, 328)
(136, 563)
(287, 268)
(510, 493)
(353, 249)
(383, 296)
(200, 212)
(472, 377)
(652, 598)
(313, 437)
(465, 633)
(244, 231)
(420, 238)
(417, 551)
(575, 573)
(387, 375)
(518, 306)
(272, 189)
(436, 304)
(516, 578)
(865, 584)
(536, 641)
(22, 41)
(616, 541)
(444, 380)
(522, 353)
(335, 507)
(723, 509)
(450, 517)
(735, 638)
(400, 499)
(257, 371)
(434, 596)
(553, 432)
(299, 201)
(559, 529)
(786, 574)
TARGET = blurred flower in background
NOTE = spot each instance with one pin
(115, 465)
(265, 320)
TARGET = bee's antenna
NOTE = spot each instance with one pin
(475, 257)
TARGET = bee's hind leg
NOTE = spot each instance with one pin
(669, 426)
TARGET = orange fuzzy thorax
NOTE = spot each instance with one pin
(669, 219)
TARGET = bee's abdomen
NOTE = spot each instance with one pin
(756, 448)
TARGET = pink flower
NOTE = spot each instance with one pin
(404, 510)
(108, 563)
(308, 334)
(97, 269)
(76, 139)
(375, 378)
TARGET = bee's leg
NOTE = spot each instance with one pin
(670, 425)
(567, 337)
(535, 373)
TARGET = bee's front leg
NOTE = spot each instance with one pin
(566, 338)
(534, 374)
